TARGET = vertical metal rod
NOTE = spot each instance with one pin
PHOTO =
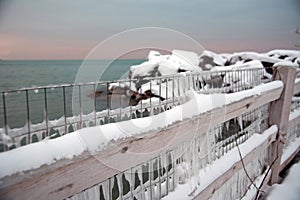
(141, 92)
(184, 89)
(151, 176)
(4, 113)
(178, 85)
(120, 101)
(28, 116)
(151, 111)
(173, 88)
(205, 87)
(160, 95)
(132, 182)
(159, 168)
(167, 174)
(107, 102)
(243, 77)
(110, 187)
(120, 184)
(250, 72)
(65, 109)
(46, 111)
(130, 108)
(194, 86)
(95, 106)
(173, 166)
(236, 82)
(167, 82)
(189, 81)
(142, 184)
(80, 107)
(197, 84)
(240, 80)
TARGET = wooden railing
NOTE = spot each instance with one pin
(154, 173)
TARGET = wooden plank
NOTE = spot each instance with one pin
(297, 86)
(279, 115)
(220, 181)
(66, 178)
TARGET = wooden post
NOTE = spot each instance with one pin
(279, 115)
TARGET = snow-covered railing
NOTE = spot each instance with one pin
(205, 159)
(32, 114)
(159, 176)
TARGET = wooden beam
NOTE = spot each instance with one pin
(220, 181)
(279, 115)
(68, 177)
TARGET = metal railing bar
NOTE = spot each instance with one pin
(65, 109)
(46, 110)
(4, 113)
(95, 106)
(28, 116)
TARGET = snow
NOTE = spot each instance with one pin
(220, 166)
(248, 65)
(254, 56)
(158, 64)
(289, 189)
(37, 154)
(290, 149)
(144, 70)
(294, 114)
(218, 59)
(251, 193)
(184, 62)
(285, 63)
(94, 139)
(185, 57)
(278, 52)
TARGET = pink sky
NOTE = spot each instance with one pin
(54, 29)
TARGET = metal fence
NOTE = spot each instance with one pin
(31, 114)
(160, 175)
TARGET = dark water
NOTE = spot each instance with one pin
(20, 74)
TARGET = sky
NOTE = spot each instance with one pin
(71, 29)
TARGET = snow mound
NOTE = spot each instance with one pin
(180, 61)
(209, 59)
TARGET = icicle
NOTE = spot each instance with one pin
(120, 184)
(140, 173)
(92, 193)
(227, 123)
(240, 120)
(39, 135)
(134, 115)
(19, 139)
(105, 189)
(128, 177)
(164, 160)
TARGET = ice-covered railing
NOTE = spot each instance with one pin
(162, 174)
(31, 114)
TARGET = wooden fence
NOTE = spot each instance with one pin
(85, 177)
